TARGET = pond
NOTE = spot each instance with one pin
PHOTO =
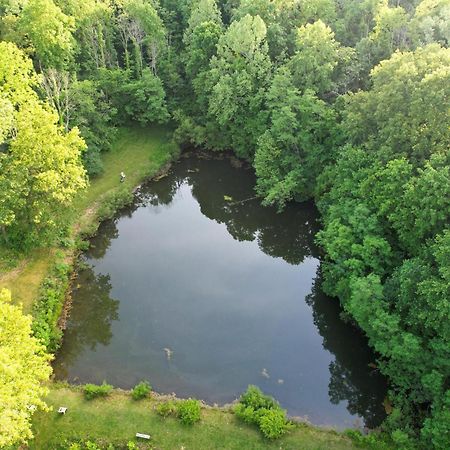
(202, 291)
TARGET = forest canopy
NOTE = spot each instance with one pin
(342, 102)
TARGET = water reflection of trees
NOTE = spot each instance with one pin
(102, 240)
(227, 197)
(90, 319)
(353, 377)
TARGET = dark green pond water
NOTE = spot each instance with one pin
(202, 291)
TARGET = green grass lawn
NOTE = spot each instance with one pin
(118, 418)
(137, 152)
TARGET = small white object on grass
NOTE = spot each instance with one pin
(143, 436)
(62, 410)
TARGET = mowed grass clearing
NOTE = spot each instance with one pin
(118, 418)
(137, 152)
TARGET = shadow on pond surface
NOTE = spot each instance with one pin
(196, 269)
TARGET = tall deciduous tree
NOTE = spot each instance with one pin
(316, 57)
(23, 367)
(405, 112)
(297, 145)
(49, 31)
(40, 171)
(431, 22)
(202, 11)
(94, 32)
(239, 76)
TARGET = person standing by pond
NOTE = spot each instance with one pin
(122, 177)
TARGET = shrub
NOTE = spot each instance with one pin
(166, 409)
(255, 398)
(252, 402)
(188, 411)
(262, 410)
(245, 413)
(113, 201)
(273, 423)
(47, 307)
(92, 390)
(141, 390)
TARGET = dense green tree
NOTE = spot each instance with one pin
(392, 118)
(141, 27)
(49, 32)
(239, 77)
(388, 34)
(40, 171)
(431, 22)
(314, 10)
(297, 145)
(269, 11)
(355, 20)
(145, 99)
(175, 15)
(23, 367)
(316, 57)
(202, 11)
(95, 117)
(386, 212)
(94, 32)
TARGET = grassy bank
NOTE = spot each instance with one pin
(118, 418)
(137, 152)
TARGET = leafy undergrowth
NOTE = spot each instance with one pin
(116, 419)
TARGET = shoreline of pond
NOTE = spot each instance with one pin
(163, 172)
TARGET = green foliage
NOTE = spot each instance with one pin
(386, 212)
(293, 151)
(316, 57)
(24, 366)
(92, 391)
(405, 112)
(49, 31)
(113, 201)
(203, 11)
(273, 423)
(238, 80)
(254, 398)
(254, 407)
(48, 306)
(373, 440)
(167, 408)
(430, 22)
(95, 117)
(189, 411)
(141, 390)
(141, 99)
(40, 171)
(145, 99)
